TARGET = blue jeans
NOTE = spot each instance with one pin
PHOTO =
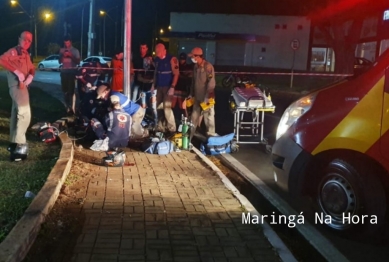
(135, 91)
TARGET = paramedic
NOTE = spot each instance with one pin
(202, 89)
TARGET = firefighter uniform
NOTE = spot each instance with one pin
(166, 68)
(203, 86)
(19, 59)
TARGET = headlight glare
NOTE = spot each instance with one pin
(294, 112)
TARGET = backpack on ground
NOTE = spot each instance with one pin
(216, 145)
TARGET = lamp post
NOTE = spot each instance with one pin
(82, 29)
(33, 18)
(105, 14)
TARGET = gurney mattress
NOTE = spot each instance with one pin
(251, 98)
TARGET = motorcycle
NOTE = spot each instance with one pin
(236, 79)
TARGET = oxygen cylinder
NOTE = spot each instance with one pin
(185, 135)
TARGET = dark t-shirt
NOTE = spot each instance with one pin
(185, 79)
(148, 74)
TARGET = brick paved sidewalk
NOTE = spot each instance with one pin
(165, 208)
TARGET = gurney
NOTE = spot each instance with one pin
(250, 100)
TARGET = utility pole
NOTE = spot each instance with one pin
(127, 47)
(82, 28)
(91, 34)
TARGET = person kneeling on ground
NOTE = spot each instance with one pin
(136, 112)
(118, 124)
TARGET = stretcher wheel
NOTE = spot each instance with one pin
(234, 148)
(268, 149)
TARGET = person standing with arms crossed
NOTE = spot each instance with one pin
(202, 89)
(166, 77)
(69, 57)
(20, 73)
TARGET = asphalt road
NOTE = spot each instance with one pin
(257, 161)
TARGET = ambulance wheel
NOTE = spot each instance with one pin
(342, 190)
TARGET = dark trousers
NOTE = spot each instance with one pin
(68, 84)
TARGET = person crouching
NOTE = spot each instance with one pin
(118, 124)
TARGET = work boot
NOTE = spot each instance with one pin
(18, 152)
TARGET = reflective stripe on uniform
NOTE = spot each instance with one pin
(110, 121)
(126, 103)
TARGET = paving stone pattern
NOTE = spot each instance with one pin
(164, 208)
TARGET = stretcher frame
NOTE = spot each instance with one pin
(257, 124)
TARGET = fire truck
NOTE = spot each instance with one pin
(332, 148)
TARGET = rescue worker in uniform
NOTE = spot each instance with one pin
(69, 57)
(118, 127)
(136, 112)
(166, 77)
(202, 89)
(20, 73)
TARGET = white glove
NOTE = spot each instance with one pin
(170, 92)
(89, 85)
(28, 80)
(20, 75)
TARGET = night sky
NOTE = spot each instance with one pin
(147, 15)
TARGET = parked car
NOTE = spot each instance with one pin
(105, 74)
(101, 59)
(50, 62)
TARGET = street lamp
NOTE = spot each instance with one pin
(105, 14)
(33, 18)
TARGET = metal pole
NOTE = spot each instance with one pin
(121, 29)
(36, 39)
(291, 77)
(127, 48)
(116, 37)
(104, 36)
(82, 29)
(91, 33)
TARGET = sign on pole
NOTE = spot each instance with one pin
(295, 44)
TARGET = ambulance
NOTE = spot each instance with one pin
(332, 148)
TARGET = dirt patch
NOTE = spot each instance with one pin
(64, 223)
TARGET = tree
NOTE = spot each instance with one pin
(341, 23)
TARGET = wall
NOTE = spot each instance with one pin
(272, 46)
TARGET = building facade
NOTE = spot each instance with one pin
(242, 40)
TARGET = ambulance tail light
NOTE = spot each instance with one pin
(294, 112)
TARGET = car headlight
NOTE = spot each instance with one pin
(294, 112)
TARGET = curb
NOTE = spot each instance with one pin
(269, 233)
(307, 230)
(19, 241)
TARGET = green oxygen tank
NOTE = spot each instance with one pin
(185, 135)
